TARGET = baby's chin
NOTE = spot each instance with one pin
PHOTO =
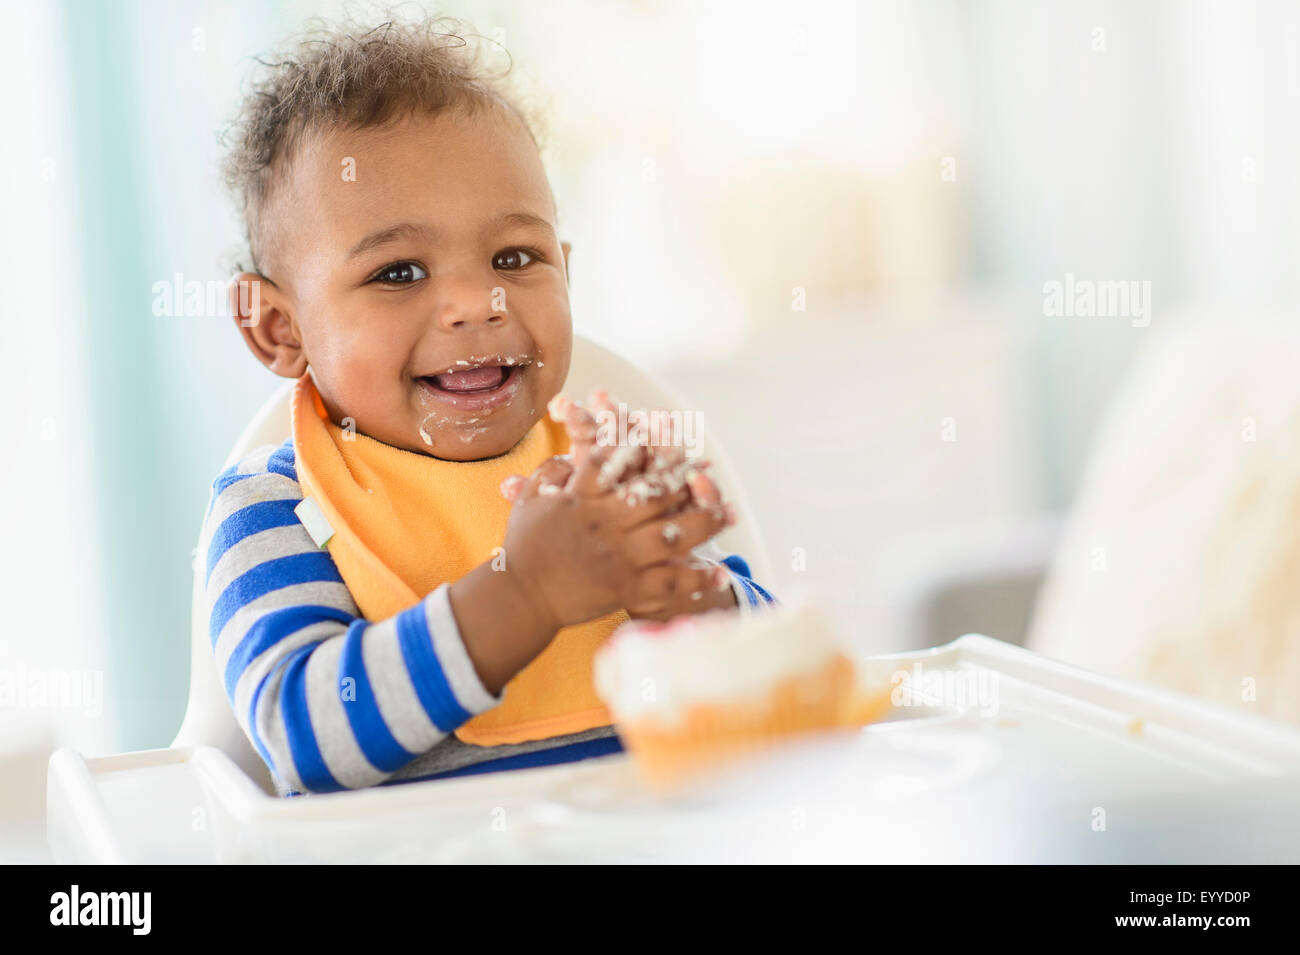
(473, 427)
(457, 444)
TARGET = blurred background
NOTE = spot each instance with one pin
(832, 226)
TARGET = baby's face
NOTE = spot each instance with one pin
(429, 291)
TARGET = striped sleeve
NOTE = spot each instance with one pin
(330, 700)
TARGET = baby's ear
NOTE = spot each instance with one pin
(258, 308)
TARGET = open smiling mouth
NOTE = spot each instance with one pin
(477, 388)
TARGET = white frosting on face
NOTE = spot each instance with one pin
(708, 657)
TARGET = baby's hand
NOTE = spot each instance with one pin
(637, 475)
(583, 548)
(681, 585)
(642, 470)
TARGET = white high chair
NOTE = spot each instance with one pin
(948, 777)
(209, 720)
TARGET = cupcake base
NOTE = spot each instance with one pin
(714, 734)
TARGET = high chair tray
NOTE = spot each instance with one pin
(991, 754)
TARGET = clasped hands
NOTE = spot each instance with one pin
(616, 524)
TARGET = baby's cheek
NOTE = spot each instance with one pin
(371, 358)
(550, 377)
(368, 387)
(551, 327)
(545, 387)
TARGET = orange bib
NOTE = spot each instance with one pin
(403, 523)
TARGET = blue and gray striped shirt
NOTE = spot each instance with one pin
(329, 699)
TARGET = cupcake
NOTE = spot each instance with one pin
(702, 690)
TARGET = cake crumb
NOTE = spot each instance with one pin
(1135, 726)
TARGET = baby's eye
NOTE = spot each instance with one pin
(401, 273)
(512, 259)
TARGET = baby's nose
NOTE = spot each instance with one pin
(465, 303)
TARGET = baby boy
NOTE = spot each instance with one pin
(414, 583)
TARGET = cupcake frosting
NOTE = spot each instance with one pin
(658, 670)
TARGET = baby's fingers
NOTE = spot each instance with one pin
(703, 489)
(668, 449)
(678, 586)
(697, 576)
(586, 479)
(578, 421)
(549, 478)
(600, 403)
(512, 487)
(625, 460)
(655, 502)
(656, 541)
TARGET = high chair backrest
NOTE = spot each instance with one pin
(209, 720)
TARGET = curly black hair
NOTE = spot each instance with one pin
(340, 75)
